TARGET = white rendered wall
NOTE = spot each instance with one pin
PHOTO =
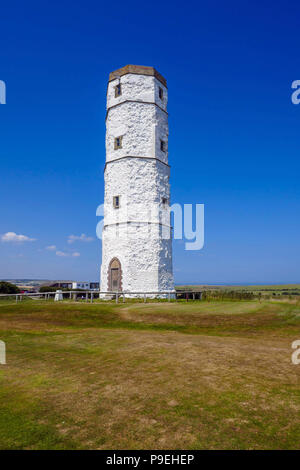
(133, 233)
(137, 88)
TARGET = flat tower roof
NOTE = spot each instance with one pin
(139, 70)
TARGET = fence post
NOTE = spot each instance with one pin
(117, 298)
(86, 296)
(193, 296)
(144, 298)
(187, 296)
(16, 298)
(92, 296)
(123, 298)
(169, 297)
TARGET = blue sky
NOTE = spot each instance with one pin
(234, 132)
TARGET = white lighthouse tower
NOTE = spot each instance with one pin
(136, 239)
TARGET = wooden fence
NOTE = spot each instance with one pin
(90, 296)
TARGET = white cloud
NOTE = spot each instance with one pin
(81, 238)
(13, 237)
(63, 253)
(19, 255)
(51, 247)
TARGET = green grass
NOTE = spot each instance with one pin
(266, 290)
(205, 375)
(259, 287)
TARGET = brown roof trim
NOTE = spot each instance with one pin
(135, 156)
(135, 101)
(138, 70)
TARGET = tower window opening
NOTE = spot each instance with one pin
(164, 200)
(118, 90)
(160, 93)
(162, 145)
(116, 202)
(118, 142)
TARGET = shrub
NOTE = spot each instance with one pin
(48, 289)
(227, 295)
(8, 288)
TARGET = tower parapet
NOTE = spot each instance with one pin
(138, 70)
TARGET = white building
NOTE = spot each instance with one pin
(136, 239)
(72, 285)
(85, 285)
(80, 285)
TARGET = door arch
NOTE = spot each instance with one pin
(114, 275)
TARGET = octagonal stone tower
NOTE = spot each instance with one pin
(136, 238)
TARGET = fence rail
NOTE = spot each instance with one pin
(91, 295)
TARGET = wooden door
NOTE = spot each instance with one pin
(115, 276)
(115, 279)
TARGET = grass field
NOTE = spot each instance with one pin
(202, 375)
(264, 290)
(258, 287)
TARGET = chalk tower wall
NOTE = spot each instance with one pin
(136, 239)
